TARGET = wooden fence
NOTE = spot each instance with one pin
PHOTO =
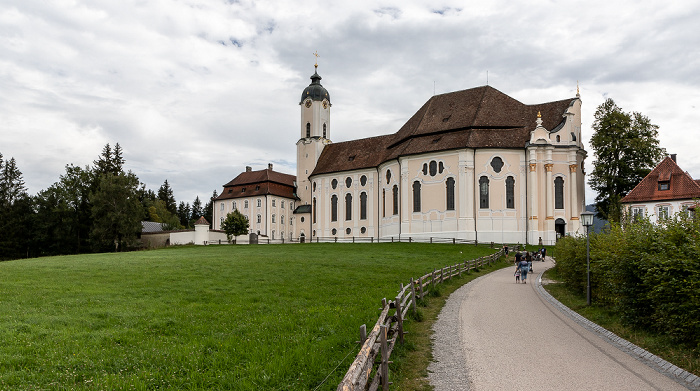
(370, 370)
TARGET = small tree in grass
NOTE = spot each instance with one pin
(235, 224)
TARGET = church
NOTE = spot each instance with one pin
(474, 164)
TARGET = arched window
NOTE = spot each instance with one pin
(450, 193)
(234, 205)
(334, 207)
(324, 130)
(314, 210)
(273, 219)
(259, 203)
(282, 221)
(259, 219)
(246, 204)
(395, 196)
(510, 193)
(348, 206)
(308, 130)
(388, 176)
(558, 193)
(483, 192)
(416, 196)
(425, 168)
(363, 206)
(222, 206)
(383, 202)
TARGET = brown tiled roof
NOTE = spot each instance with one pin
(480, 117)
(262, 182)
(202, 221)
(681, 185)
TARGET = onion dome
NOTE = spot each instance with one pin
(315, 90)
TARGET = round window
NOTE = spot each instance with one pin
(363, 230)
(334, 183)
(347, 231)
(334, 231)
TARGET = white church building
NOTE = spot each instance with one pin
(473, 164)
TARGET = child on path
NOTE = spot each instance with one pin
(517, 274)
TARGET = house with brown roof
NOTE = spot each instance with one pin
(665, 191)
(266, 197)
(475, 164)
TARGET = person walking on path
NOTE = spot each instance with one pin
(524, 267)
(517, 274)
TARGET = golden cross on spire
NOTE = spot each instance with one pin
(317, 56)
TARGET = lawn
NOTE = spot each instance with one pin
(268, 317)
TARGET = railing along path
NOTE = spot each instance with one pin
(370, 370)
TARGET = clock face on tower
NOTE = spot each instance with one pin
(308, 103)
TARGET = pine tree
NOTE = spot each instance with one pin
(165, 193)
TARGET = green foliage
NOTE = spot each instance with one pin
(648, 273)
(116, 212)
(235, 224)
(277, 317)
(165, 194)
(15, 212)
(626, 148)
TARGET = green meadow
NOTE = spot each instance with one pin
(266, 317)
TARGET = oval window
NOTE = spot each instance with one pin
(348, 182)
(363, 180)
(334, 183)
(433, 168)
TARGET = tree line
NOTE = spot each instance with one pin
(95, 208)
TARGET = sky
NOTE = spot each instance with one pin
(196, 90)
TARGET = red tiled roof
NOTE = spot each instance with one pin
(480, 117)
(681, 185)
(202, 221)
(262, 182)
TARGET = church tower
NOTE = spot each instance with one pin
(315, 133)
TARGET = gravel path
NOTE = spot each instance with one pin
(494, 334)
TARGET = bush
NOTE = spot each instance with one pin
(648, 273)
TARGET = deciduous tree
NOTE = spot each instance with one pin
(235, 224)
(626, 148)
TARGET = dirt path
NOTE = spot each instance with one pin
(494, 334)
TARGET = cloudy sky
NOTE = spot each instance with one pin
(195, 90)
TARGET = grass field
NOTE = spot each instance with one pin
(278, 317)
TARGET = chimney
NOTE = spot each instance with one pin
(269, 166)
(248, 169)
(673, 157)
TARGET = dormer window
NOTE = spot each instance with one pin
(664, 185)
(243, 190)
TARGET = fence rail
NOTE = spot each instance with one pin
(370, 370)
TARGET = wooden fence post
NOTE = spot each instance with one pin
(384, 366)
(363, 334)
(399, 317)
(413, 294)
(420, 286)
(432, 279)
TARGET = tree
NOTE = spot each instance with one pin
(165, 193)
(197, 210)
(626, 148)
(209, 208)
(63, 217)
(235, 224)
(184, 213)
(116, 211)
(16, 212)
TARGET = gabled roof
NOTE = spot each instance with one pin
(681, 185)
(261, 182)
(481, 117)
